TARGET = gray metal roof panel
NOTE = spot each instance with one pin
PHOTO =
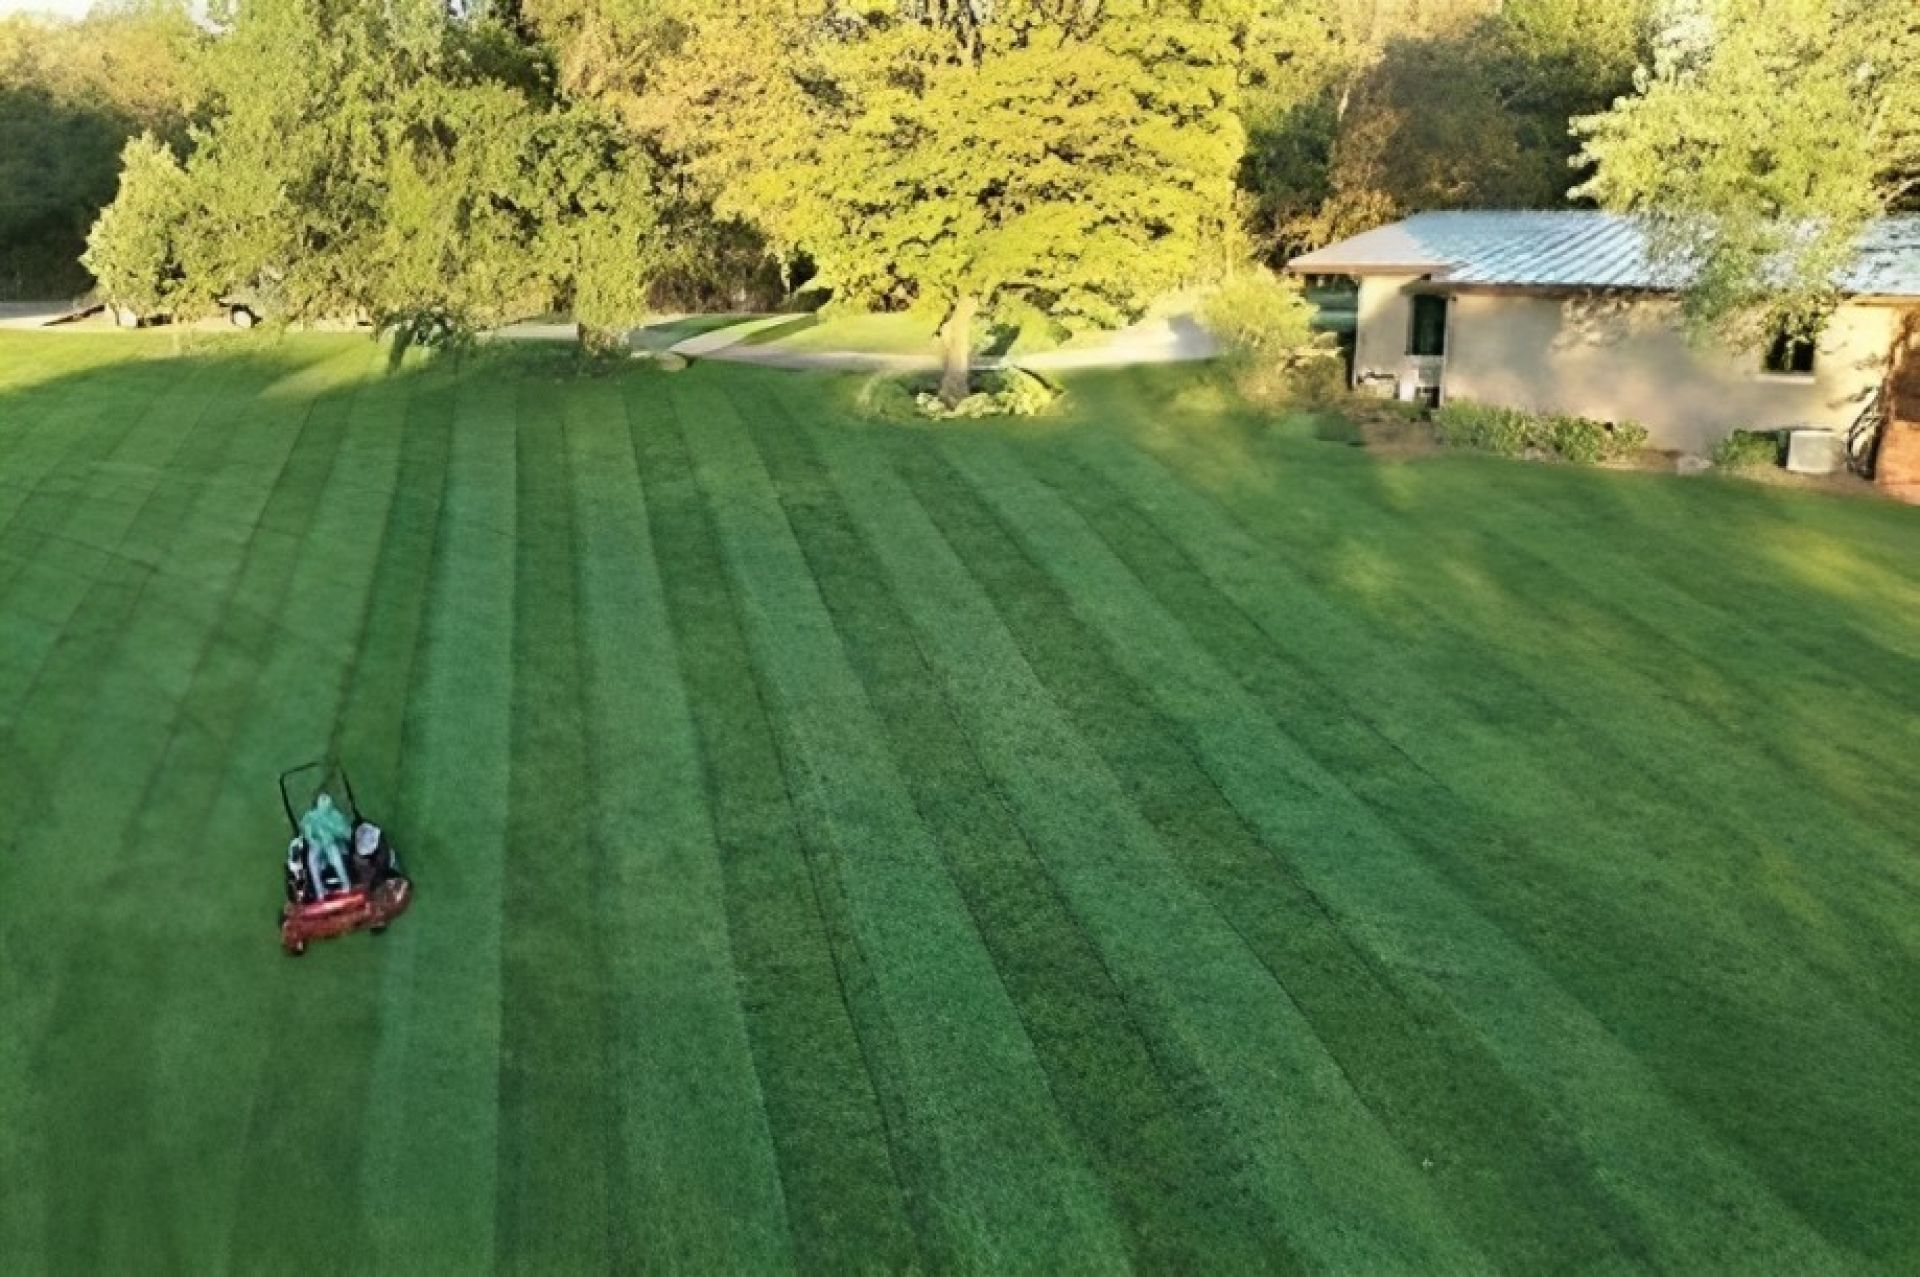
(1577, 250)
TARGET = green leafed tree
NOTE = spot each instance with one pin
(72, 93)
(1381, 109)
(1759, 139)
(134, 250)
(963, 157)
(394, 160)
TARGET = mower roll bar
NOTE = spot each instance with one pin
(327, 767)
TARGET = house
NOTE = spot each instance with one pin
(1564, 312)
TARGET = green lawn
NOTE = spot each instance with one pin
(1150, 838)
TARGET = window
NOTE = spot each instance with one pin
(1791, 355)
(1429, 335)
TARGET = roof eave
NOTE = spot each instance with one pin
(1301, 266)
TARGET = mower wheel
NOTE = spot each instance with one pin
(297, 948)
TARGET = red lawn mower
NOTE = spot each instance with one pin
(342, 872)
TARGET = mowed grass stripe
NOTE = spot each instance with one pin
(1744, 696)
(1690, 888)
(703, 1191)
(1218, 1015)
(428, 1188)
(52, 686)
(1633, 731)
(106, 994)
(1438, 944)
(1702, 723)
(1174, 1179)
(1726, 667)
(32, 367)
(46, 419)
(561, 1155)
(1494, 1153)
(55, 453)
(246, 1129)
(1705, 591)
(342, 571)
(1769, 550)
(845, 1204)
(370, 734)
(1005, 1186)
(85, 562)
(75, 682)
(1412, 793)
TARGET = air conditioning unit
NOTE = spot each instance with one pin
(1813, 451)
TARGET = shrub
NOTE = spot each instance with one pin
(1008, 392)
(1512, 432)
(1629, 437)
(1485, 427)
(1266, 326)
(1255, 313)
(1748, 450)
(133, 249)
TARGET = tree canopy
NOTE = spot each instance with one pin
(440, 166)
(1758, 140)
(388, 159)
(71, 95)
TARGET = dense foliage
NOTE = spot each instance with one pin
(444, 165)
(71, 94)
(1759, 138)
(1515, 432)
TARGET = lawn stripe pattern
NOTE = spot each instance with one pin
(704, 1193)
(838, 1168)
(431, 1145)
(331, 601)
(81, 603)
(1533, 1050)
(188, 546)
(1407, 1066)
(561, 1158)
(1283, 1098)
(965, 1103)
(1150, 839)
(1625, 756)
(1172, 1184)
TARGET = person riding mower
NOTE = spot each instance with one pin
(342, 873)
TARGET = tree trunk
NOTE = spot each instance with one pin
(956, 348)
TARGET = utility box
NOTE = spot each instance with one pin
(1816, 452)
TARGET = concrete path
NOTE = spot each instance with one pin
(1165, 340)
(20, 315)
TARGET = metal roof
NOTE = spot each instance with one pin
(1576, 250)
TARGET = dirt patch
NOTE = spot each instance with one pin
(1389, 437)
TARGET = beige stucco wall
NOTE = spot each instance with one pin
(1617, 359)
(1384, 320)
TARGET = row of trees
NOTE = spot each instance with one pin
(439, 167)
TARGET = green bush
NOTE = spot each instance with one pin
(134, 247)
(1279, 361)
(1629, 437)
(1257, 313)
(1484, 427)
(1010, 392)
(1748, 450)
(1512, 432)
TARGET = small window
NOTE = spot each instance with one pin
(1429, 336)
(1791, 355)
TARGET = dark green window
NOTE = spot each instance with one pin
(1429, 336)
(1791, 354)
